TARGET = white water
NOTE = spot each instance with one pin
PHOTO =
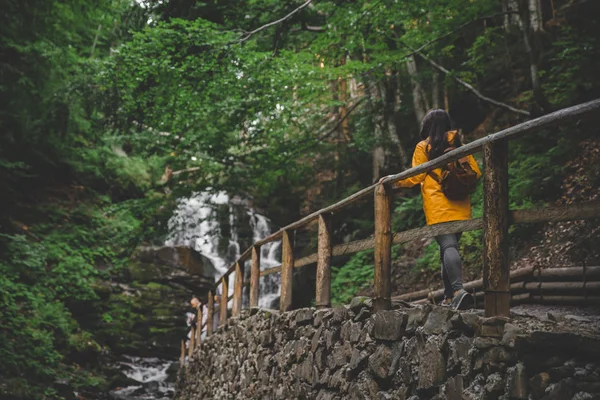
(194, 223)
(145, 370)
(269, 285)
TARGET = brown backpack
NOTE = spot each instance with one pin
(458, 180)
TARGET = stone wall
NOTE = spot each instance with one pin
(410, 352)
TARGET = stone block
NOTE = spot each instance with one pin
(360, 302)
(516, 382)
(467, 322)
(317, 339)
(380, 362)
(538, 384)
(363, 314)
(321, 316)
(560, 390)
(458, 354)
(339, 315)
(438, 321)
(304, 316)
(494, 386)
(493, 326)
(417, 317)
(389, 325)
(432, 366)
(453, 389)
(337, 380)
(355, 332)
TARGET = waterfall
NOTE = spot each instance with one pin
(195, 223)
(152, 376)
(269, 285)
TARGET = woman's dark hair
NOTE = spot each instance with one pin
(435, 127)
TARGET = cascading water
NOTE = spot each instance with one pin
(195, 223)
(269, 285)
(150, 373)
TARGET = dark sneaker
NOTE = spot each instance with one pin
(463, 300)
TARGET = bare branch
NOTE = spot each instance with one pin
(469, 86)
(445, 35)
(275, 22)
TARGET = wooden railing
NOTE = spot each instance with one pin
(495, 222)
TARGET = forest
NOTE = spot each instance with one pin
(112, 110)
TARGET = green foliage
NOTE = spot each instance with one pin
(99, 97)
(353, 276)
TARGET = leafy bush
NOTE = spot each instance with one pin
(358, 273)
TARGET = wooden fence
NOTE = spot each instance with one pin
(495, 222)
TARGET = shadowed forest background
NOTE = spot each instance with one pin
(112, 110)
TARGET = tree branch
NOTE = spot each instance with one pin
(445, 35)
(275, 22)
(467, 85)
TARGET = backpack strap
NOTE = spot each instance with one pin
(435, 176)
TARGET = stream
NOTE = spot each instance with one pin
(195, 223)
(152, 375)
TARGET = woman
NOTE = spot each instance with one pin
(437, 136)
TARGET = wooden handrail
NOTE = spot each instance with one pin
(494, 143)
(570, 212)
(564, 115)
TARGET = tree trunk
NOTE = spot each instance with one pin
(510, 19)
(532, 52)
(421, 104)
(435, 91)
(390, 94)
(536, 21)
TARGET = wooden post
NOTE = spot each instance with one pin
(182, 357)
(287, 267)
(238, 285)
(383, 248)
(323, 289)
(496, 278)
(192, 343)
(210, 316)
(199, 317)
(224, 298)
(254, 276)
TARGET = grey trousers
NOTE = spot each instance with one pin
(451, 263)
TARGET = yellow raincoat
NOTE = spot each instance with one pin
(437, 207)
